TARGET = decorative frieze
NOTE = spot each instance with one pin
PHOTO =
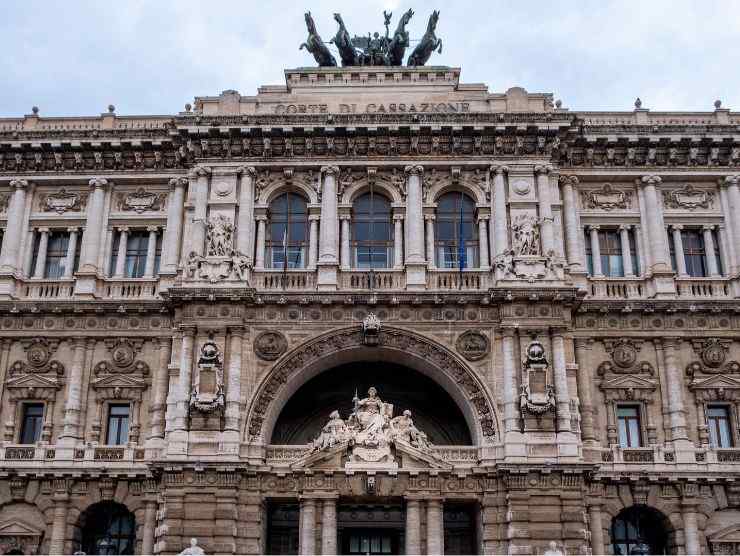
(607, 198)
(688, 198)
(62, 201)
(141, 201)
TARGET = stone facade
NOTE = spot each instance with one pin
(205, 332)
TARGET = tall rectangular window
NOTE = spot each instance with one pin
(718, 252)
(610, 253)
(628, 424)
(720, 433)
(694, 253)
(118, 419)
(137, 245)
(32, 420)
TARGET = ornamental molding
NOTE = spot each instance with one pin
(270, 345)
(207, 395)
(123, 358)
(388, 338)
(624, 358)
(607, 198)
(39, 360)
(141, 201)
(689, 198)
(618, 388)
(62, 201)
(473, 345)
(537, 394)
(714, 388)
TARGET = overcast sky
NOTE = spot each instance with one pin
(74, 57)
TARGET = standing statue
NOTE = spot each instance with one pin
(344, 44)
(316, 46)
(428, 43)
(400, 41)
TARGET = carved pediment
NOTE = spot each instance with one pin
(336, 455)
(628, 387)
(728, 534)
(120, 387)
(411, 457)
(715, 387)
(33, 386)
(18, 529)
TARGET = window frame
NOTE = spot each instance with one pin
(296, 249)
(23, 409)
(109, 417)
(446, 251)
(712, 420)
(381, 247)
(638, 418)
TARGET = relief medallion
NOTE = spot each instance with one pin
(270, 345)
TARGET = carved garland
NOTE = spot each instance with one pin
(394, 339)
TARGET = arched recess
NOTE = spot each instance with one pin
(444, 186)
(107, 525)
(380, 186)
(395, 345)
(278, 186)
(640, 524)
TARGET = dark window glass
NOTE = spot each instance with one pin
(109, 528)
(56, 255)
(33, 418)
(589, 252)
(456, 232)
(137, 245)
(628, 423)
(158, 254)
(634, 255)
(718, 253)
(372, 237)
(287, 244)
(720, 435)
(610, 246)
(694, 253)
(639, 525)
(118, 419)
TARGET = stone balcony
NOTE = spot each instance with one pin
(636, 288)
(105, 288)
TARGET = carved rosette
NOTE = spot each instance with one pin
(393, 339)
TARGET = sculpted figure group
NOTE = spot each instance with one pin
(371, 425)
(373, 49)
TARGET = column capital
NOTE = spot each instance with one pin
(188, 329)
(625, 227)
(508, 331)
(568, 180)
(558, 331)
(414, 169)
(583, 343)
(708, 227)
(250, 171)
(330, 170)
(261, 217)
(732, 180)
(19, 184)
(427, 217)
(593, 227)
(152, 228)
(651, 179)
(483, 217)
(177, 182)
(677, 227)
(43, 229)
(499, 169)
(73, 229)
(199, 172)
(122, 229)
(542, 169)
(98, 183)
(237, 330)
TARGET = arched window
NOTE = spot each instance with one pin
(108, 528)
(287, 244)
(640, 530)
(372, 232)
(456, 234)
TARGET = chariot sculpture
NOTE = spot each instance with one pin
(373, 49)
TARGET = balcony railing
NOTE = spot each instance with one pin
(290, 280)
(62, 288)
(456, 280)
(132, 288)
(617, 288)
(372, 280)
(703, 288)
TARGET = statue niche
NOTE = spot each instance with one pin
(537, 396)
(223, 263)
(207, 396)
(370, 432)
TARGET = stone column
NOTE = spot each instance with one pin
(59, 523)
(13, 228)
(690, 529)
(69, 264)
(678, 249)
(584, 380)
(233, 390)
(509, 382)
(595, 252)
(150, 524)
(709, 249)
(199, 180)
(485, 263)
(500, 219)
(641, 255)
(313, 235)
(38, 272)
(596, 527)
(674, 387)
(93, 227)
(259, 261)
(431, 259)
(435, 526)
(171, 249)
(27, 271)
(72, 407)
(561, 380)
(545, 208)
(245, 216)
(346, 262)
(624, 237)
(655, 225)
(160, 385)
(397, 241)
(414, 215)
(732, 226)
(121, 256)
(328, 230)
(185, 380)
(329, 526)
(307, 533)
(413, 526)
(572, 224)
(151, 251)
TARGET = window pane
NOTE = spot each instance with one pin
(634, 430)
(623, 434)
(33, 415)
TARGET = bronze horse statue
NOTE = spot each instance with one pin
(428, 44)
(400, 40)
(344, 43)
(316, 46)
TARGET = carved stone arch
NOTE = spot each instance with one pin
(347, 345)
(471, 190)
(380, 186)
(270, 192)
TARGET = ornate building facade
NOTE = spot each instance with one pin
(194, 310)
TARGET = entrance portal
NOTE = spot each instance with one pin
(370, 528)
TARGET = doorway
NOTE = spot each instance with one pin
(371, 528)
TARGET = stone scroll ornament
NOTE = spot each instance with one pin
(208, 393)
(373, 49)
(371, 430)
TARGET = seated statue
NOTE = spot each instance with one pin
(193, 549)
(404, 429)
(370, 419)
(334, 432)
